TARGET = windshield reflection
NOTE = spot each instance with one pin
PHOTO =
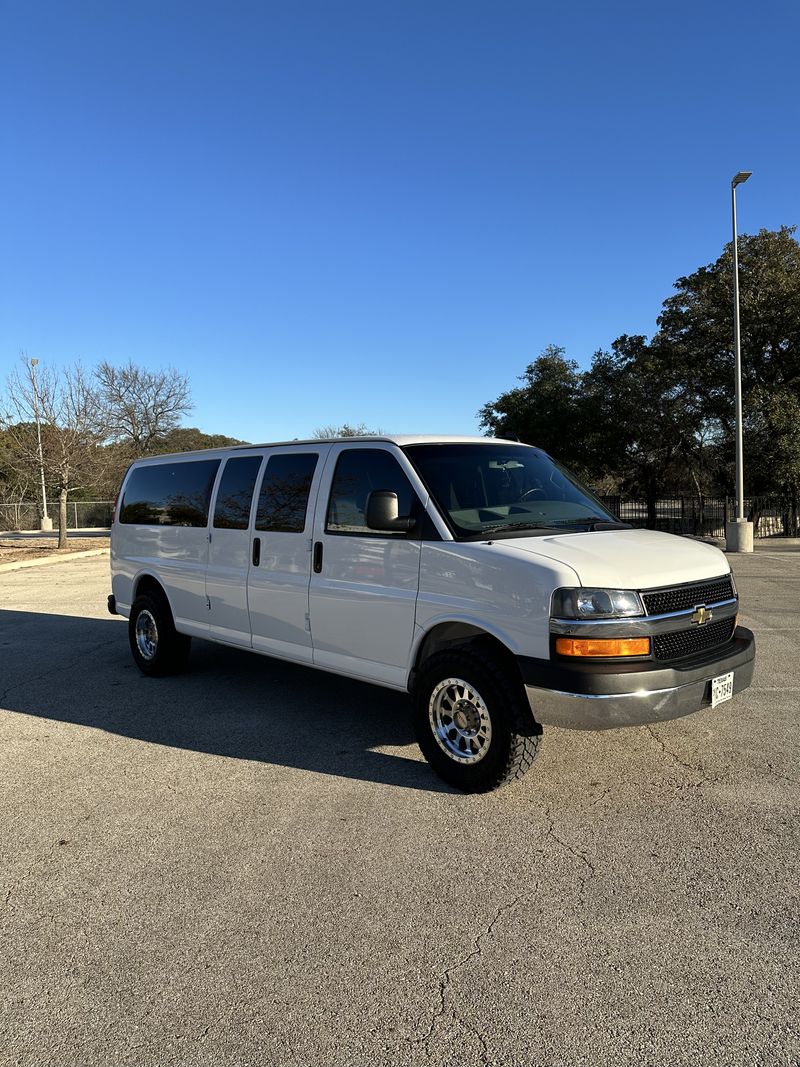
(497, 488)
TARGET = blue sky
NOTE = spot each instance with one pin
(370, 211)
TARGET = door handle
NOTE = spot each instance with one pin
(256, 551)
(317, 557)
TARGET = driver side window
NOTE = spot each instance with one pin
(360, 471)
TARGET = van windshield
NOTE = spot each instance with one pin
(505, 490)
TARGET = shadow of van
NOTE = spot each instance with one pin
(229, 703)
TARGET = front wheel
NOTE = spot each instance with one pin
(472, 720)
(158, 649)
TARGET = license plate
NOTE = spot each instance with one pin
(721, 689)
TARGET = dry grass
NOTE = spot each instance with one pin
(15, 551)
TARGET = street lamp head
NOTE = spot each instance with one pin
(742, 176)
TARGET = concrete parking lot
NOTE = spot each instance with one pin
(251, 865)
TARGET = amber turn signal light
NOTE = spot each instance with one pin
(621, 646)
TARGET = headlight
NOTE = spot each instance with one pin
(596, 603)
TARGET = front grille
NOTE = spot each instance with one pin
(698, 639)
(686, 597)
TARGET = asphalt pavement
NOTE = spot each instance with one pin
(251, 864)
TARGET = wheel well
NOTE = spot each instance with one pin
(449, 635)
(148, 584)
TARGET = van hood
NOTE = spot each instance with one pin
(627, 559)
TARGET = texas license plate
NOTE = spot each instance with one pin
(721, 688)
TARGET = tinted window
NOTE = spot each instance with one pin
(358, 472)
(284, 493)
(169, 494)
(235, 493)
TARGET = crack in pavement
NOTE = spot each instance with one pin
(702, 776)
(669, 752)
(782, 777)
(445, 984)
(602, 796)
(572, 851)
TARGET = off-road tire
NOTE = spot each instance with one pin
(170, 650)
(515, 734)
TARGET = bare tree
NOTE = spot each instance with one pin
(140, 406)
(68, 410)
(16, 483)
(345, 430)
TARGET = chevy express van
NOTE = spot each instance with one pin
(476, 574)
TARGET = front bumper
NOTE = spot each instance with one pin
(590, 696)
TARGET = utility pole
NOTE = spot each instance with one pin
(46, 522)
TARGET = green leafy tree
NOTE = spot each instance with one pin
(182, 439)
(641, 421)
(772, 447)
(657, 416)
(545, 410)
(190, 439)
(17, 479)
(696, 330)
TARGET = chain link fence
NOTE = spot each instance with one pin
(81, 515)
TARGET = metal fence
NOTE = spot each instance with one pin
(81, 514)
(678, 515)
(771, 516)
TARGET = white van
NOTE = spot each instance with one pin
(477, 574)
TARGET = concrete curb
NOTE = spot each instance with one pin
(19, 564)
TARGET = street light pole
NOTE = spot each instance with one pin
(46, 522)
(742, 539)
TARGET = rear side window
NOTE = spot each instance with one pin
(235, 493)
(283, 500)
(169, 494)
(359, 471)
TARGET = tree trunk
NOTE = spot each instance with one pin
(62, 518)
(651, 497)
(701, 502)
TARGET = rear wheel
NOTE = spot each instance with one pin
(158, 649)
(472, 720)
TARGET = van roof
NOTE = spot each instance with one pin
(390, 438)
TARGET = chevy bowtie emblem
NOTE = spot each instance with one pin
(701, 615)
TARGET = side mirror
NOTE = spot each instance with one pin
(382, 513)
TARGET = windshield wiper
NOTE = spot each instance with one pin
(501, 526)
(594, 522)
